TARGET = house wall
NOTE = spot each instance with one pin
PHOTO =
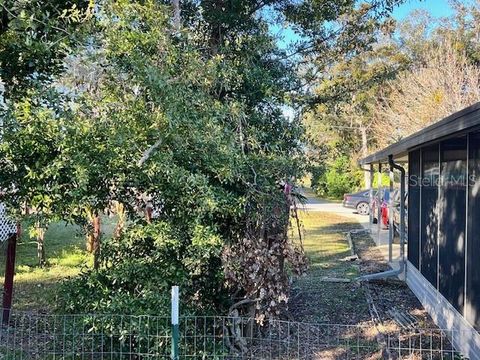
(463, 336)
(444, 221)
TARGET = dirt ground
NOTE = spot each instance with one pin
(386, 311)
(390, 296)
(317, 297)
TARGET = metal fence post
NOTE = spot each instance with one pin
(370, 199)
(175, 322)
(379, 203)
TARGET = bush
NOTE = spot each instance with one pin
(138, 269)
(337, 179)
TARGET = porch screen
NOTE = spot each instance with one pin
(429, 213)
(413, 207)
(452, 216)
(472, 303)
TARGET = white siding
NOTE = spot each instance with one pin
(465, 338)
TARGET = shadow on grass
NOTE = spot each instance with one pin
(35, 286)
(321, 296)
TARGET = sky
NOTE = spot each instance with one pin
(437, 8)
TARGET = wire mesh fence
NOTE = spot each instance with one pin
(36, 336)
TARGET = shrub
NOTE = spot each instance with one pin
(138, 269)
(337, 179)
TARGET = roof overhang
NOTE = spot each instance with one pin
(454, 124)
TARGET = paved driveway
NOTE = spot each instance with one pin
(316, 204)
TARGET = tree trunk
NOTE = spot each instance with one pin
(120, 210)
(89, 234)
(176, 14)
(364, 151)
(96, 241)
(93, 239)
(148, 213)
(41, 256)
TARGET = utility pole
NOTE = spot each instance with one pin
(364, 150)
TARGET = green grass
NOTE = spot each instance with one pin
(325, 244)
(317, 300)
(34, 287)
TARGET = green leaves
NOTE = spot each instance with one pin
(190, 124)
(35, 36)
(140, 267)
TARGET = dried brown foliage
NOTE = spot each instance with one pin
(445, 83)
(262, 261)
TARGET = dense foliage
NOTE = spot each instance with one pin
(138, 114)
(139, 267)
(337, 179)
(415, 73)
(35, 36)
(162, 125)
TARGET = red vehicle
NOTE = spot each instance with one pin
(383, 209)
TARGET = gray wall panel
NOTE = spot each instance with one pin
(429, 213)
(452, 221)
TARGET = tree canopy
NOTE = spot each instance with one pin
(115, 103)
(396, 87)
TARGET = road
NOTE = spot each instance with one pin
(316, 204)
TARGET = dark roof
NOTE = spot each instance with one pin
(453, 124)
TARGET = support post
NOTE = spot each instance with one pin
(390, 217)
(402, 268)
(175, 323)
(366, 175)
(402, 214)
(9, 274)
(379, 203)
(370, 197)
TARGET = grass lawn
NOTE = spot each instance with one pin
(34, 287)
(315, 299)
(325, 244)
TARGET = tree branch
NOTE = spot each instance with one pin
(38, 21)
(176, 15)
(241, 303)
(148, 152)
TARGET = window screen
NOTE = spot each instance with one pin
(414, 207)
(452, 216)
(429, 213)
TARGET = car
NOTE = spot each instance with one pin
(358, 201)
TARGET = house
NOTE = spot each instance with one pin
(442, 259)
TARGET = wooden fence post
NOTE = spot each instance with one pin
(9, 274)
